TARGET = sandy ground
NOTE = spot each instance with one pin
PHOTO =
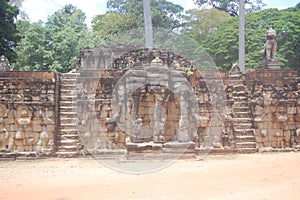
(252, 176)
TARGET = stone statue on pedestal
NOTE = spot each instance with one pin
(4, 64)
(269, 59)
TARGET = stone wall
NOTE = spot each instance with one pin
(27, 113)
(144, 101)
(275, 101)
(240, 112)
(149, 100)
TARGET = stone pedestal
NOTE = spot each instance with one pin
(274, 64)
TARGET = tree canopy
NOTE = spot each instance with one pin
(126, 15)
(232, 6)
(18, 3)
(53, 45)
(8, 32)
(201, 23)
(201, 34)
(222, 45)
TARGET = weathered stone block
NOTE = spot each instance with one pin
(51, 127)
(9, 121)
(36, 127)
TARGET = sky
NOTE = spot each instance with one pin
(41, 9)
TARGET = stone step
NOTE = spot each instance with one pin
(242, 114)
(239, 88)
(233, 82)
(240, 94)
(68, 92)
(65, 90)
(70, 88)
(246, 150)
(238, 104)
(241, 109)
(242, 145)
(68, 114)
(242, 120)
(73, 113)
(68, 83)
(68, 126)
(67, 148)
(65, 131)
(245, 138)
(68, 142)
(68, 97)
(69, 75)
(244, 132)
(69, 78)
(68, 109)
(70, 136)
(236, 82)
(70, 132)
(242, 126)
(64, 120)
(241, 98)
(67, 103)
(66, 154)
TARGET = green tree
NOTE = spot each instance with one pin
(18, 3)
(53, 45)
(34, 50)
(128, 15)
(109, 24)
(8, 31)
(201, 23)
(232, 6)
(165, 14)
(222, 45)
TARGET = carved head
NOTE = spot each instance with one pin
(24, 111)
(271, 34)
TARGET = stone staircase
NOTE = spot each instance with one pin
(242, 116)
(68, 141)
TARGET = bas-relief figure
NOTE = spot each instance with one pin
(24, 135)
(26, 129)
(4, 134)
(275, 116)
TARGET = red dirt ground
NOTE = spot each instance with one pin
(254, 176)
